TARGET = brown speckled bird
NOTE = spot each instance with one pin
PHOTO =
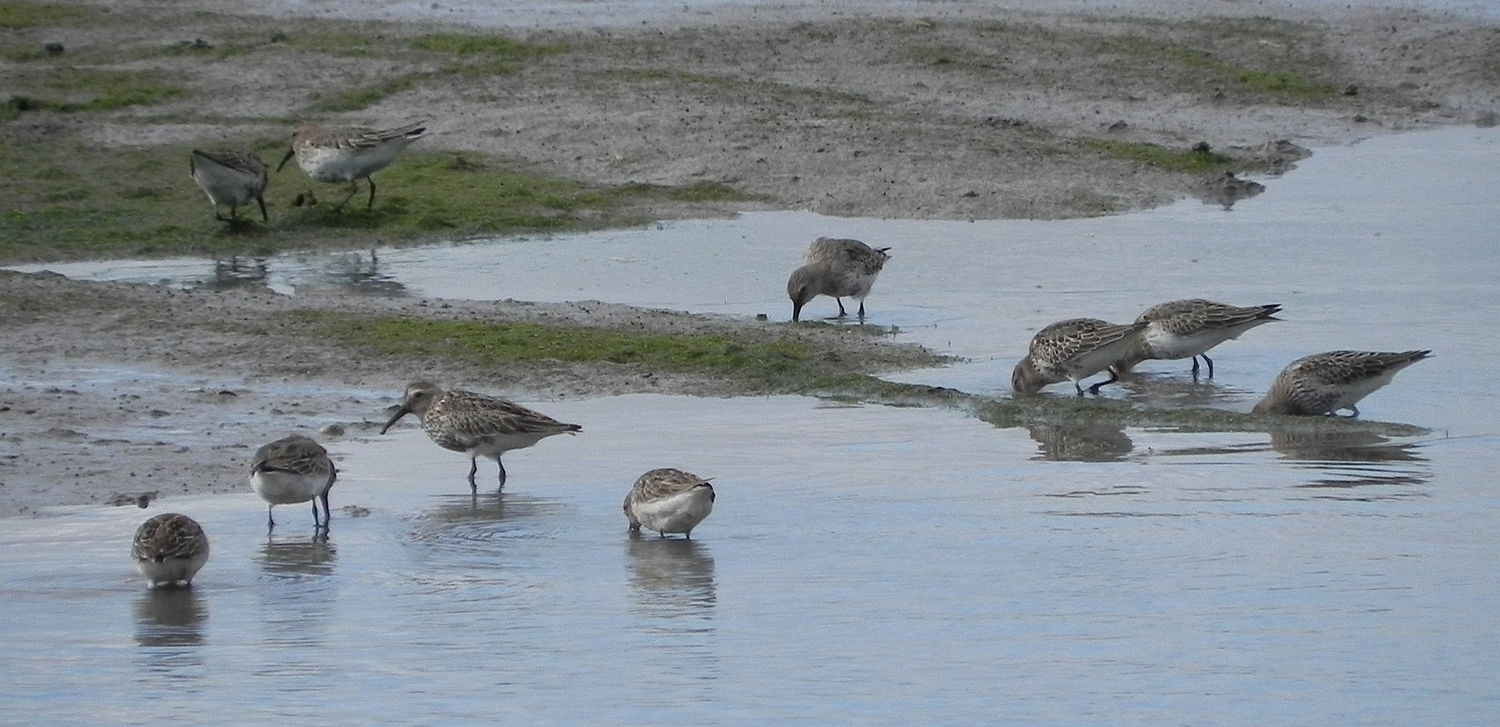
(348, 154)
(475, 424)
(293, 469)
(169, 550)
(232, 178)
(669, 501)
(837, 268)
(1189, 328)
(1074, 349)
(1324, 383)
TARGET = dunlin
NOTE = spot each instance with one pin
(1189, 328)
(231, 178)
(169, 549)
(475, 424)
(837, 268)
(293, 469)
(669, 501)
(348, 154)
(1325, 383)
(1074, 349)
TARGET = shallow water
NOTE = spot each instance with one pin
(869, 564)
(842, 579)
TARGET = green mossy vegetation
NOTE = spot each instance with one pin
(770, 361)
(1188, 161)
(58, 208)
(73, 90)
(24, 16)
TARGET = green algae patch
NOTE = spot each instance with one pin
(1188, 161)
(23, 16)
(67, 199)
(489, 46)
(744, 359)
(76, 90)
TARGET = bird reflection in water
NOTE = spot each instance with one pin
(354, 272)
(1166, 390)
(304, 556)
(1080, 441)
(1350, 462)
(671, 577)
(236, 272)
(170, 617)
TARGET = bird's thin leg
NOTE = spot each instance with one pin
(1195, 368)
(473, 468)
(1210, 363)
(353, 190)
(270, 521)
(1113, 377)
(502, 472)
(263, 216)
(316, 524)
(861, 309)
(840, 301)
(1079, 387)
(371, 180)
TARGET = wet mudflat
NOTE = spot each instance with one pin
(866, 564)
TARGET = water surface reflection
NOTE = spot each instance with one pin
(1092, 441)
(671, 577)
(169, 617)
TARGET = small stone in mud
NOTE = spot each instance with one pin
(762, 317)
(331, 430)
(355, 511)
(53, 49)
(139, 499)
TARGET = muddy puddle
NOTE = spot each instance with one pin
(868, 564)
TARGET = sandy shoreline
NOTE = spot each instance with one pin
(943, 111)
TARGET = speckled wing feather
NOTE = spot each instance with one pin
(359, 138)
(664, 482)
(168, 536)
(1061, 342)
(1346, 368)
(295, 454)
(1188, 316)
(843, 251)
(460, 418)
(240, 161)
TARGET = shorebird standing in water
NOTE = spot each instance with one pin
(231, 178)
(1325, 383)
(475, 424)
(669, 501)
(348, 154)
(1074, 349)
(169, 550)
(837, 268)
(1189, 328)
(290, 470)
